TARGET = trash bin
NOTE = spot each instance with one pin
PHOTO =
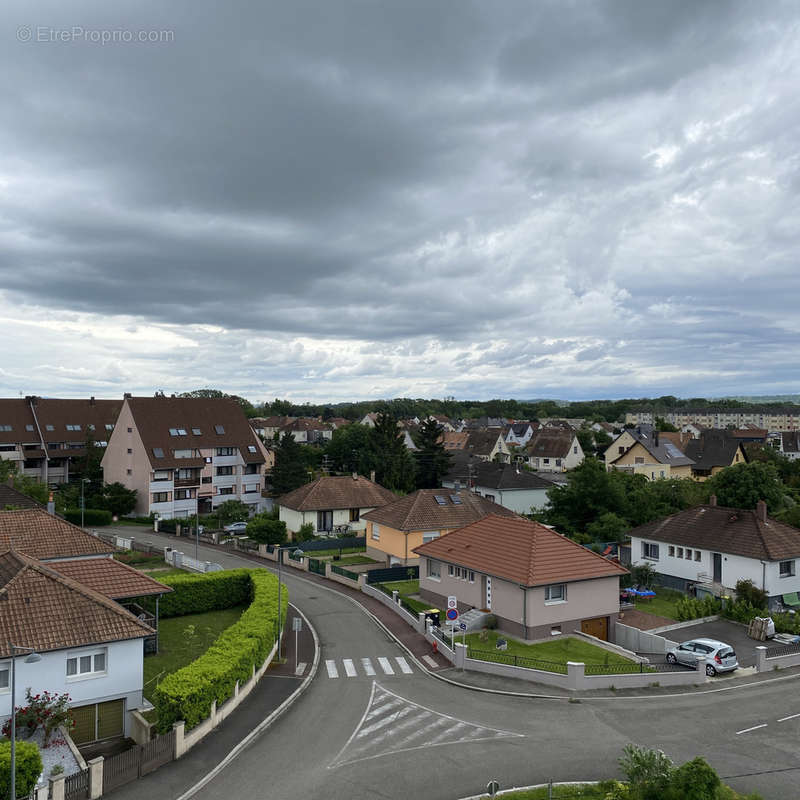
(432, 616)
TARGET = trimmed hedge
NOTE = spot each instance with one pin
(28, 768)
(188, 693)
(194, 593)
(91, 516)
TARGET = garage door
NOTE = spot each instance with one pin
(98, 721)
(596, 627)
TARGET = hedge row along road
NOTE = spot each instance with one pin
(410, 735)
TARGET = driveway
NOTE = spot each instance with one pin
(723, 630)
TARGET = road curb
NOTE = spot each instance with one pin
(531, 788)
(265, 723)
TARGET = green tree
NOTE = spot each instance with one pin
(694, 780)
(290, 471)
(586, 440)
(28, 767)
(116, 498)
(743, 485)
(432, 460)
(350, 449)
(246, 405)
(87, 465)
(648, 771)
(23, 483)
(608, 527)
(232, 511)
(394, 467)
(265, 529)
(663, 425)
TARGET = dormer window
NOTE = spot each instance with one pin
(73, 427)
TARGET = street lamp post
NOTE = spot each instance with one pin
(84, 481)
(31, 658)
(280, 626)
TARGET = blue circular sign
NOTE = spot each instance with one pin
(452, 614)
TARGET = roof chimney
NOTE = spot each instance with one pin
(372, 475)
(712, 501)
(126, 396)
(761, 511)
(355, 475)
(91, 400)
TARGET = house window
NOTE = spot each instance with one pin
(621, 450)
(451, 570)
(558, 462)
(434, 569)
(429, 536)
(226, 451)
(129, 471)
(575, 450)
(671, 550)
(325, 520)
(224, 470)
(638, 460)
(251, 448)
(130, 451)
(109, 426)
(86, 665)
(650, 550)
(185, 494)
(786, 569)
(489, 497)
(471, 576)
(355, 514)
(5, 671)
(696, 555)
(225, 490)
(680, 552)
(376, 531)
(73, 427)
(160, 497)
(458, 572)
(545, 460)
(688, 554)
(50, 427)
(29, 427)
(555, 593)
(158, 452)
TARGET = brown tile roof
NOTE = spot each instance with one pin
(550, 443)
(306, 424)
(16, 412)
(42, 609)
(109, 577)
(725, 530)
(454, 440)
(483, 442)
(714, 448)
(420, 511)
(154, 416)
(518, 550)
(9, 496)
(43, 536)
(60, 413)
(337, 492)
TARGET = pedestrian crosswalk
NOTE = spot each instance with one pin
(369, 667)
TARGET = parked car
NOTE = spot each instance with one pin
(236, 527)
(720, 657)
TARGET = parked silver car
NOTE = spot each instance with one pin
(720, 657)
(236, 527)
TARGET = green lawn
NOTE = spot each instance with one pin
(552, 654)
(402, 587)
(334, 551)
(349, 561)
(183, 639)
(664, 604)
(579, 792)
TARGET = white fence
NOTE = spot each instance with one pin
(181, 561)
(641, 641)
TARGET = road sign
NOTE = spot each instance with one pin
(462, 626)
(297, 624)
(452, 614)
(452, 602)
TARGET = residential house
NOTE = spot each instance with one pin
(11, 499)
(789, 444)
(651, 454)
(713, 451)
(454, 440)
(308, 430)
(370, 418)
(519, 434)
(508, 485)
(487, 445)
(45, 436)
(444, 422)
(394, 530)
(333, 504)
(554, 450)
(710, 548)
(185, 456)
(338, 422)
(267, 427)
(482, 423)
(536, 582)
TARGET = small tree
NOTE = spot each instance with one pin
(266, 530)
(648, 771)
(748, 592)
(28, 763)
(644, 575)
(305, 533)
(232, 511)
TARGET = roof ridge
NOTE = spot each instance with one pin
(417, 497)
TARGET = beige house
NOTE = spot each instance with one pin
(554, 450)
(186, 456)
(652, 455)
(332, 504)
(537, 582)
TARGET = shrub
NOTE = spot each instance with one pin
(490, 622)
(695, 607)
(643, 575)
(748, 592)
(193, 594)
(28, 768)
(305, 533)
(91, 516)
(45, 710)
(188, 693)
(265, 529)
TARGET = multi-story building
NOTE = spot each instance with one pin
(787, 419)
(186, 455)
(45, 436)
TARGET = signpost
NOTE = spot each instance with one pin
(452, 616)
(297, 626)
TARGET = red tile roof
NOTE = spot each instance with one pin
(110, 578)
(45, 610)
(518, 550)
(43, 536)
(337, 492)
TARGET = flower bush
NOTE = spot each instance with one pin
(46, 709)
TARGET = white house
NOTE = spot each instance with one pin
(711, 548)
(519, 434)
(554, 450)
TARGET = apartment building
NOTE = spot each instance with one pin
(787, 419)
(45, 436)
(186, 455)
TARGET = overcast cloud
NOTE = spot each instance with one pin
(343, 200)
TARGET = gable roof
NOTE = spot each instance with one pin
(495, 476)
(550, 443)
(110, 578)
(483, 442)
(739, 532)
(337, 492)
(520, 551)
(714, 448)
(43, 536)
(154, 416)
(41, 609)
(421, 511)
(454, 440)
(662, 450)
(9, 496)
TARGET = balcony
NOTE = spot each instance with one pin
(183, 483)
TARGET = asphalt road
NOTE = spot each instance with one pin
(404, 735)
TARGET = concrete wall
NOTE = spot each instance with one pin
(764, 664)
(641, 641)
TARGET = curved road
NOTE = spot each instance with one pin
(408, 735)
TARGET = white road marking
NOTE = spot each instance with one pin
(300, 669)
(349, 667)
(330, 665)
(430, 662)
(791, 716)
(404, 668)
(367, 666)
(754, 728)
(385, 665)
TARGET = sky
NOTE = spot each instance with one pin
(357, 199)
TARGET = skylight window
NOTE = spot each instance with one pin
(219, 428)
(173, 431)
(73, 427)
(158, 452)
(109, 426)
(90, 426)
(29, 427)
(456, 499)
(6, 428)
(251, 448)
(197, 431)
(181, 431)
(440, 500)
(49, 428)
